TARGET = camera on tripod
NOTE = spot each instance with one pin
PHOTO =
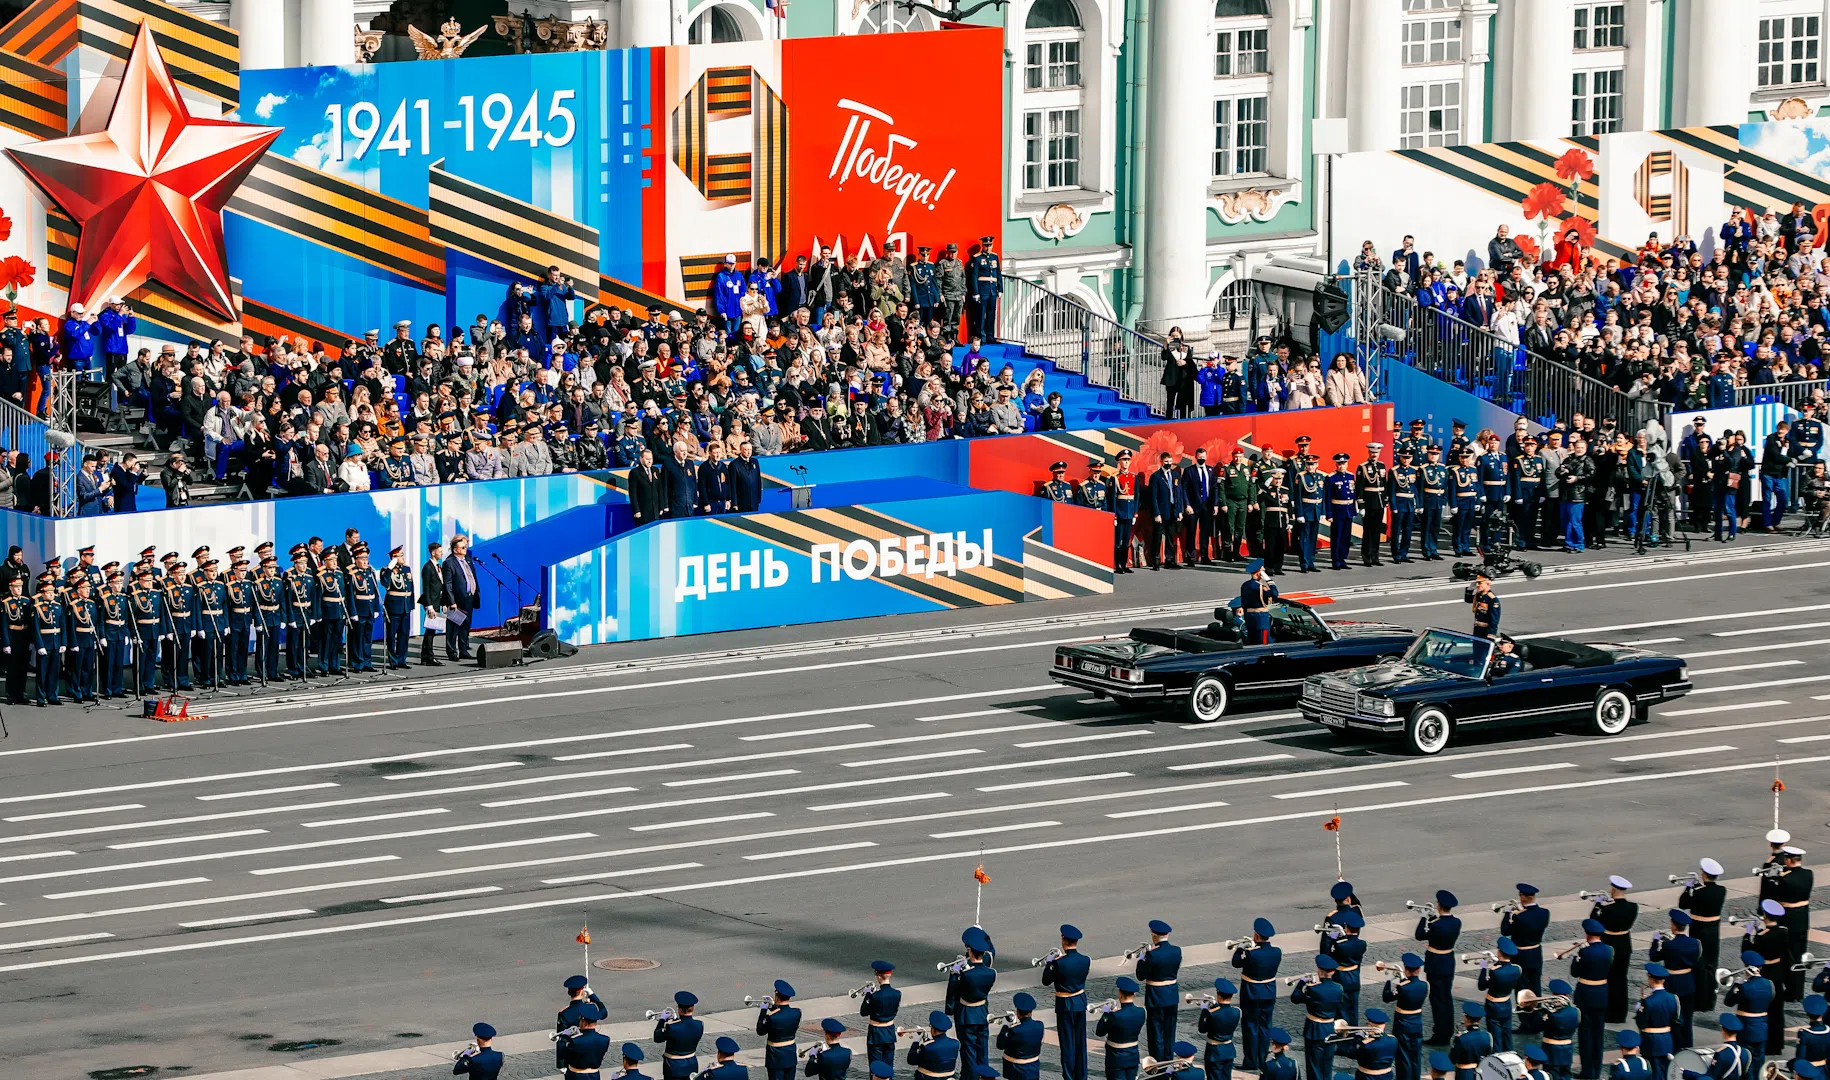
(1496, 557)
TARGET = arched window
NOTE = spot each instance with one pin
(886, 17)
(1239, 9)
(715, 26)
(1053, 94)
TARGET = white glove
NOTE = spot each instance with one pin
(41, 652)
(8, 650)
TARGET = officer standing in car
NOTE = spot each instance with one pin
(1486, 604)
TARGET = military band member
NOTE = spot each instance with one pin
(1067, 973)
(481, 1062)
(1535, 1063)
(778, 1022)
(1813, 1040)
(1525, 926)
(1118, 1026)
(1472, 1043)
(1021, 1043)
(581, 1056)
(1731, 1061)
(1560, 1029)
(680, 1038)
(1704, 901)
(1500, 981)
(832, 1061)
(968, 991)
(1257, 964)
(1439, 933)
(1374, 1053)
(333, 615)
(1791, 890)
(1407, 995)
(632, 1056)
(1370, 482)
(1217, 1022)
(1632, 1065)
(181, 622)
(1056, 488)
(1657, 1019)
(1348, 951)
(82, 636)
(935, 1058)
(48, 636)
(1278, 1066)
(1311, 495)
(1590, 968)
(582, 1004)
(1435, 484)
(1616, 914)
(1772, 942)
(1320, 998)
(1339, 486)
(117, 636)
(1157, 970)
(1678, 952)
(727, 1067)
(879, 1007)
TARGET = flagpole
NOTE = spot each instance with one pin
(1340, 873)
(1778, 786)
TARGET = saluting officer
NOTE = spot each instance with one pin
(397, 604)
(1021, 1042)
(778, 1022)
(1439, 933)
(1218, 1021)
(1320, 997)
(1119, 1026)
(1616, 915)
(936, 1057)
(1704, 902)
(1472, 1043)
(1657, 1017)
(1486, 604)
(1590, 967)
(1341, 503)
(1056, 488)
(1067, 973)
(879, 1007)
(1370, 482)
(968, 992)
(1678, 953)
(1157, 970)
(1500, 981)
(831, 1061)
(1435, 481)
(1348, 951)
(1401, 491)
(1407, 995)
(679, 1037)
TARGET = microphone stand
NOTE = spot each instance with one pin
(500, 586)
(216, 653)
(517, 577)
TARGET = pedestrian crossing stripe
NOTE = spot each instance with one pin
(1052, 574)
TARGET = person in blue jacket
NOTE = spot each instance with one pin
(78, 337)
(553, 304)
(728, 286)
(1209, 377)
(763, 276)
(117, 324)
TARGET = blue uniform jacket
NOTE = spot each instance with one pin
(1751, 1000)
(1467, 1049)
(881, 1005)
(1439, 937)
(1589, 967)
(936, 1057)
(1631, 1068)
(1658, 1009)
(1814, 1043)
(1730, 1063)
(1407, 997)
(1119, 1028)
(1157, 970)
(1347, 952)
(1021, 1042)
(584, 1051)
(1338, 490)
(967, 992)
(778, 1025)
(1679, 955)
(728, 1070)
(1525, 928)
(1218, 1022)
(681, 1036)
(482, 1065)
(1374, 1056)
(1277, 1067)
(828, 1063)
(1321, 1004)
(727, 292)
(1258, 967)
(1500, 983)
(1068, 976)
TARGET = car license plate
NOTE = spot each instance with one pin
(1091, 668)
(1333, 721)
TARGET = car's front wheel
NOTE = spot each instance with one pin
(1613, 712)
(1428, 730)
(1208, 700)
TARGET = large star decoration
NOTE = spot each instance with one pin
(148, 189)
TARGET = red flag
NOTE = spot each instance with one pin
(584, 936)
(1778, 786)
(1333, 824)
(979, 875)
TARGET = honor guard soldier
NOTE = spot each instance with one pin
(241, 622)
(1236, 496)
(479, 1061)
(632, 1058)
(48, 634)
(1320, 997)
(1257, 964)
(364, 605)
(212, 623)
(1067, 973)
(832, 1061)
(679, 1037)
(1157, 970)
(299, 611)
(1348, 951)
(1525, 923)
(1590, 967)
(147, 603)
(778, 1022)
(1632, 1064)
(1278, 1066)
(1401, 491)
(1056, 488)
(1731, 1060)
(1406, 996)
(1657, 1018)
(1704, 900)
(181, 619)
(1814, 1037)
(82, 637)
(1218, 1021)
(17, 638)
(937, 1056)
(984, 279)
(1341, 503)
(1500, 981)
(1467, 502)
(581, 1056)
(1560, 1029)
(1616, 915)
(1124, 503)
(1773, 943)
(1439, 931)
(268, 595)
(1486, 604)
(1311, 502)
(1374, 1053)
(397, 606)
(1095, 492)
(117, 636)
(968, 991)
(879, 1007)
(1791, 890)
(1472, 1044)
(1678, 953)
(1274, 509)
(1496, 488)
(1119, 1027)
(1528, 475)
(333, 615)
(1436, 483)
(1370, 482)
(1535, 1062)
(1021, 1042)
(727, 1067)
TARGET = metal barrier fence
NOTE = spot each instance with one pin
(1788, 393)
(20, 430)
(1077, 340)
(1394, 327)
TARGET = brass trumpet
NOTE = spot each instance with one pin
(1105, 1006)
(759, 1002)
(1156, 1070)
(1203, 1000)
(1138, 950)
(568, 1033)
(1334, 932)
(469, 1051)
(1573, 946)
(1806, 962)
(1600, 896)
(1770, 870)
(1235, 944)
(1048, 957)
(666, 1016)
(862, 990)
(1690, 881)
(1530, 1000)
(1509, 907)
(1427, 909)
(1307, 980)
(812, 1050)
(1007, 1019)
(955, 965)
(1488, 955)
(1726, 977)
(1344, 1033)
(920, 1036)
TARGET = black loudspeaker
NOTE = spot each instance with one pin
(547, 646)
(1331, 307)
(495, 654)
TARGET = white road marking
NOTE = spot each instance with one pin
(427, 812)
(695, 822)
(632, 872)
(561, 797)
(1739, 706)
(1083, 738)
(1804, 739)
(491, 766)
(1695, 672)
(808, 851)
(1482, 774)
(1337, 790)
(1052, 781)
(232, 919)
(1770, 629)
(529, 842)
(931, 755)
(698, 780)
(449, 894)
(35, 855)
(1763, 647)
(1688, 751)
(1681, 621)
(322, 865)
(173, 883)
(41, 942)
(924, 796)
(1643, 642)
(1167, 809)
(1224, 762)
(803, 733)
(78, 813)
(201, 838)
(1014, 827)
(979, 712)
(255, 792)
(1759, 685)
(820, 749)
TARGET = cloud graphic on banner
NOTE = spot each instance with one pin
(268, 102)
(1803, 145)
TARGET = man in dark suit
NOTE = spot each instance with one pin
(127, 475)
(746, 480)
(647, 489)
(346, 551)
(682, 483)
(461, 593)
(432, 599)
(1199, 487)
(1166, 507)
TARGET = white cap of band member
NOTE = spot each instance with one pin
(1778, 836)
(1619, 882)
(1710, 867)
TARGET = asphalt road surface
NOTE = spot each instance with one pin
(385, 863)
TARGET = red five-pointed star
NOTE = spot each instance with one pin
(148, 189)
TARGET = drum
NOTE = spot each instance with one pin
(1502, 1066)
(1697, 1059)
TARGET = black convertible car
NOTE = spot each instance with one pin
(1446, 680)
(1210, 666)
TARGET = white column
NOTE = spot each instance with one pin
(1181, 135)
(327, 32)
(261, 26)
(1542, 42)
(1722, 44)
(1645, 23)
(1374, 32)
(646, 23)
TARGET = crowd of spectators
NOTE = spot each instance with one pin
(1275, 377)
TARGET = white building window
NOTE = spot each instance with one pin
(1242, 135)
(1789, 51)
(1596, 101)
(1432, 5)
(715, 26)
(1430, 115)
(1601, 26)
(1051, 149)
(885, 17)
(1242, 38)
(1051, 65)
(1053, 95)
(1432, 41)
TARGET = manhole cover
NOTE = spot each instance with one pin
(627, 963)
(308, 1044)
(125, 1072)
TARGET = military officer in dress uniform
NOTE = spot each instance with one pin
(1347, 950)
(879, 1007)
(832, 1061)
(117, 636)
(1791, 890)
(1236, 502)
(1020, 1043)
(1320, 998)
(1616, 915)
(1124, 503)
(935, 1057)
(1157, 970)
(1435, 483)
(952, 274)
(16, 638)
(1496, 487)
(968, 994)
(82, 635)
(1370, 482)
(1374, 1054)
(181, 618)
(1590, 967)
(924, 286)
(268, 597)
(1406, 995)
(778, 1022)
(1500, 981)
(1119, 1027)
(147, 604)
(1486, 605)
(1067, 973)
(299, 611)
(1056, 488)
(1678, 953)
(1439, 932)
(1095, 492)
(1311, 497)
(1528, 475)
(48, 637)
(1752, 999)
(1218, 1020)
(679, 1037)
(1257, 964)
(1632, 1065)
(481, 1062)
(1472, 1043)
(364, 605)
(396, 467)
(1703, 901)
(1467, 501)
(397, 607)
(1401, 491)
(1341, 502)
(212, 622)
(1274, 507)
(332, 609)
(1417, 442)
(985, 282)
(1657, 1018)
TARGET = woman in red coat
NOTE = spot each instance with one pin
(1569, 252)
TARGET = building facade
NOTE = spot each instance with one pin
(1158, 150)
